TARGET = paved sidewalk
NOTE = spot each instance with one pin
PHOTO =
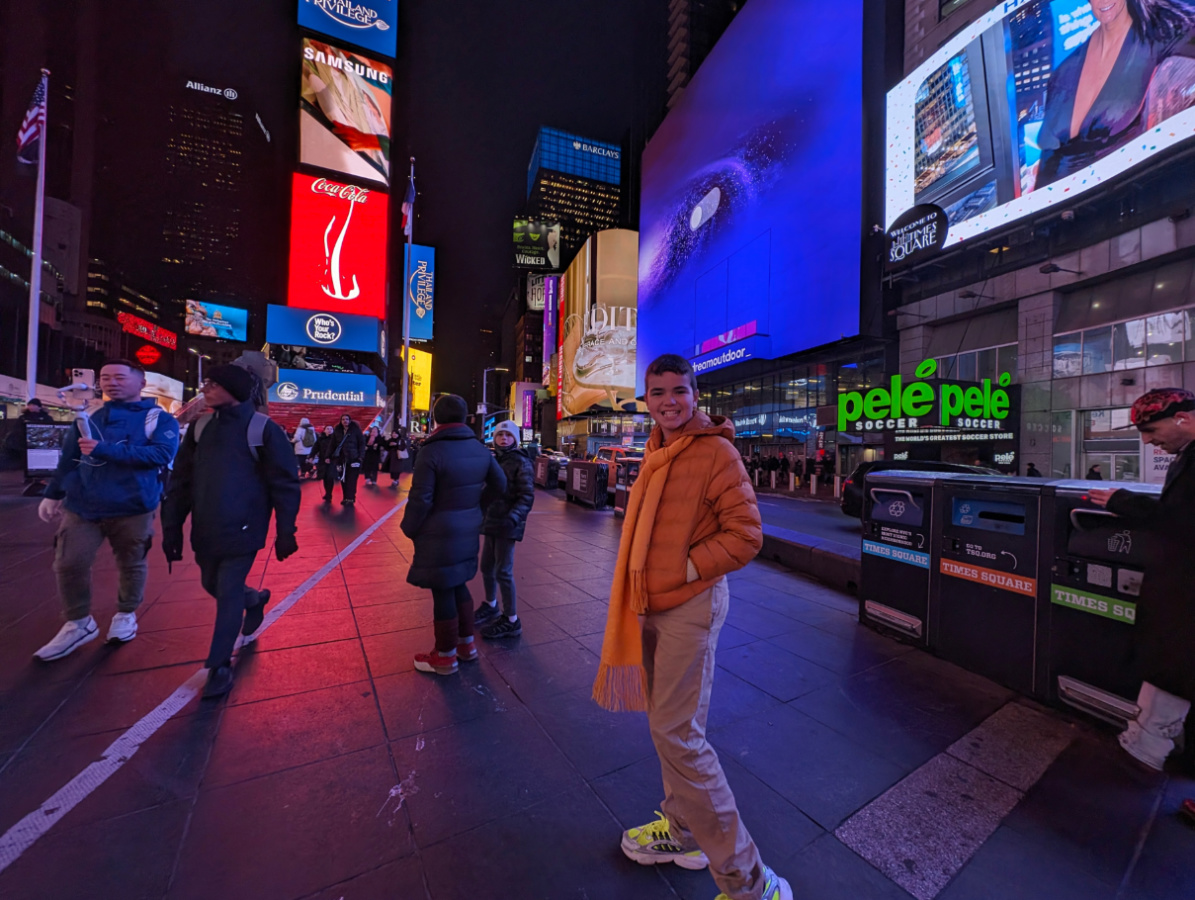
(863, 768)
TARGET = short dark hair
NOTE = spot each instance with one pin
(33, 400)
(450, 410)
(670, 362)
(128, 363)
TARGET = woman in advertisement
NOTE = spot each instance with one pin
(1099, 97)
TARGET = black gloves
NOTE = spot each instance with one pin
(285, 545)
(172, 545)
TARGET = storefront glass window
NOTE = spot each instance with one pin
(965, 368)
(1166, 335)
(1068, 355)
(985, 365)
(1128, 345)
(946, 367)
(1006, 360)
(795, 391)
(1060, 464)
(1097, 351)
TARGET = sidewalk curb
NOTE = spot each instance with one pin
(832, 562)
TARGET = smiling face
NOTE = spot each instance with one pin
(671, 400)
(1108, 11)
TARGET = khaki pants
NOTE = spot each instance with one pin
(75, 546)
(678, 653)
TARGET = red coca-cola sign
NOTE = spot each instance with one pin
(337, 247)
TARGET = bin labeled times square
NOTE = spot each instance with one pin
(1096, 571)
(987, 595)
(899, 552)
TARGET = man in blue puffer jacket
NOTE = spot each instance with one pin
(107, 487)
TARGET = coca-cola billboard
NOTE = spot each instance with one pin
(337, 247)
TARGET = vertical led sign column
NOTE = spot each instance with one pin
(421, 290)
(337, 247)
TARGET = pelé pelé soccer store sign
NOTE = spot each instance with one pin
(924, 402)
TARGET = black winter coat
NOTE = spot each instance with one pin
(322, 451)
(352, 447)
(506, 514)
(229, 495)
(1165, 625)
(443, 514)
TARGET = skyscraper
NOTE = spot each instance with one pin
(694, 26)
(577, 181)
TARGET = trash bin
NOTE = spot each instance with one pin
(987, 597)
(588, 483)
(1097, 568)
(628, 471)
(547, 472)
(899, 553)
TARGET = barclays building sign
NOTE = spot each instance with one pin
(371, 24)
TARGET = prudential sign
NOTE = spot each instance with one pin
(372, 24)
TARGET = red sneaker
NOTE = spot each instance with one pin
(436, 662)
(467, 652)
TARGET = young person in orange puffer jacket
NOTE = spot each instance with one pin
(691, 519)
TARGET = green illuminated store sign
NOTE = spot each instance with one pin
(921, 403)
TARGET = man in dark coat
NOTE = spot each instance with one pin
(443, 518)
(1164, 631)
(230, 487)
(348, 451)
(505, 522)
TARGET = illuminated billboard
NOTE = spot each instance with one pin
(421, 290)
(142, 328)
(215, 320)
(537, 244)
(344, 112)
(421, 379)
(372, 24)
(597, 324)
(751, 197)
(551, 305)
(326, 388)
(337, 247)
(1002, 122)
(338, 331)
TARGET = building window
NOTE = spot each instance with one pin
(976, 365)
(946, 7)
(1068, 354)
(1097, 351)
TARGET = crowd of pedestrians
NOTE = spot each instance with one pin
(691, 519)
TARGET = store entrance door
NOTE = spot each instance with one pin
(1114, 466)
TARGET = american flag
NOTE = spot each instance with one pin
(408, 207)
(32, 127)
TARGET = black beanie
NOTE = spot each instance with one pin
(234, 379)
(450, 410)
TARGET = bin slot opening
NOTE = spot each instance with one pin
(1002, 517)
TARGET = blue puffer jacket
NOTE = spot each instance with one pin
(121, 476)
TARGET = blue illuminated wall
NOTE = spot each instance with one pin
(751, 199)
(574, 155)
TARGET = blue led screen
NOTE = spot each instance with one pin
(574, 155)
(372, 24)
(751, 199)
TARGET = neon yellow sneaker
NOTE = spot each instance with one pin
(652, 844)
(774, 887)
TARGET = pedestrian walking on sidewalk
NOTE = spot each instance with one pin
(443, 518)
(397, 445)
(348, 450)
(1164, 630)
(503, 527)
(371, 459)
(691, 519)
(304, 440)
(235, 468)
(322, 453)
(107, 487)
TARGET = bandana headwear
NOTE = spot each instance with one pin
(1163, 403)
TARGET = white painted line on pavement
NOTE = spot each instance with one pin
(25, 833)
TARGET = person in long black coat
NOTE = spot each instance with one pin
(348, 445)
(371, 461)
(443, 518)
(505, 522)
(321, 453)
(399, 455)
(1164, 629)
(230, 489)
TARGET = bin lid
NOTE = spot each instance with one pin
(1077, 486)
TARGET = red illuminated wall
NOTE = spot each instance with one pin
(337, 247)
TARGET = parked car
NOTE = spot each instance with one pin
(612, 455)
(852, 489)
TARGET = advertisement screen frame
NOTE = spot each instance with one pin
(238, 323)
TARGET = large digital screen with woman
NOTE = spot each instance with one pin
(1037, 102)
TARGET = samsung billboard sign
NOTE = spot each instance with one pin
(372, 24)
(308, 328)
(327, 388)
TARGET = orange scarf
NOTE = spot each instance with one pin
(621, 684)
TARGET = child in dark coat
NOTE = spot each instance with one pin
(505, 521)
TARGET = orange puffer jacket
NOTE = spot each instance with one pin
(707, 514)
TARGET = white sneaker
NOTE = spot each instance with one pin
(123, 628)
(70, 638)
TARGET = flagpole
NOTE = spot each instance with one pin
(38, 216)
(406, 312)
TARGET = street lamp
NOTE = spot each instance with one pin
(485, 383)
(201, 357)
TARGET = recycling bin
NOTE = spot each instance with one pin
(899, 553)
(1097, 565)
(987, 594)
(627, 472)
(588, 483)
